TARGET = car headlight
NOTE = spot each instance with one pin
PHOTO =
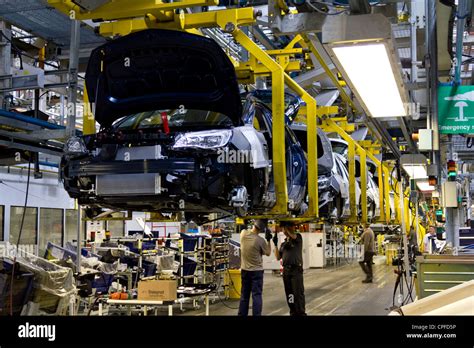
(204, 140)
(75, 145)
(323, 183)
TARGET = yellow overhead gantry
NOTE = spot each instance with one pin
(156, 14)
(124, 17)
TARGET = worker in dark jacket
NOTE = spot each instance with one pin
(367, 239)
(291, 252)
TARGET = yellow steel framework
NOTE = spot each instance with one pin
(155, 14)
(328, 71)
(124, 17)
(126, 9)
(180, 21)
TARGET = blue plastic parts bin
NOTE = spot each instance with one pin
(189, 267)
(102, 282)
(189, 242)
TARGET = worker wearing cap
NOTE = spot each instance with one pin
(291, 254)
(252, 247)
(367, 239)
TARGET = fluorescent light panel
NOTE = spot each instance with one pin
(425, 186)
(415, 171)
(371, 74)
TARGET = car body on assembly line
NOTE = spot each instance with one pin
(373, 196)
(175, 135)
(333, 182)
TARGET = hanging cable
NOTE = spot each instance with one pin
(19, 235)
(322, 12)
(469, 142)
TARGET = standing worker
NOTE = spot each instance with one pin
(291, 251)
(368, 241)
(252, 247)
(429, 241)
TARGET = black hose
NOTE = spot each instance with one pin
(469, 142)
(19, 234)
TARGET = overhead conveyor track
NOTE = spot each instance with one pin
(31, 134)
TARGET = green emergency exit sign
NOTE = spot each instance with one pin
(456, 109)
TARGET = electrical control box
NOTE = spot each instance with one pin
(450, 194)
(425, 142)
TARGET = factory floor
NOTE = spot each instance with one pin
(335, 290)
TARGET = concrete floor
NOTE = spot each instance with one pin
(331, 291)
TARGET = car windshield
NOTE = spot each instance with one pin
(177, 118)
(291, 101)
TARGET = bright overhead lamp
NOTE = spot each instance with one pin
(415, 171)
(415, 166)
(361, 47)
(424, 186)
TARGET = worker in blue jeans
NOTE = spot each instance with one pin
(252, 248)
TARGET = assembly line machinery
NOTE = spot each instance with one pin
(301, 53)
(120, 18)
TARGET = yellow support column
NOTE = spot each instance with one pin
(386, 186)
(367, 145)
(312, 134)
(278, 140)
(312, 146)
(333, 127)
(407, 211)
(352, 183)
(278, 124)
(88, 120)
(382, 194)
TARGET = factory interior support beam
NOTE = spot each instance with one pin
(88, 119)
(279, 77)
(462, 13)
(407, 134)
(309, 41)
(73, 78)
(386, 186)
(125, 9)
(180, 21)
(386, 138)
(311, 123)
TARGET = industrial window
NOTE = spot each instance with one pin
(30, 225)
(116, 227)
(51, 228)
(71, 226)
(2, 222)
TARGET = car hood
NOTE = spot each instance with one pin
(161, 69)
